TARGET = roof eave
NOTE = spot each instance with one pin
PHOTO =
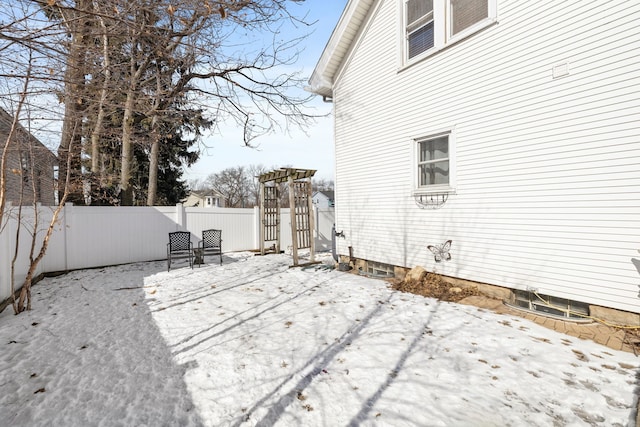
(339, 45)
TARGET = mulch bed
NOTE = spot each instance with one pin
(432, 285)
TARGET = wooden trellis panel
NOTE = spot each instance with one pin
(271, 220)
(301, 208)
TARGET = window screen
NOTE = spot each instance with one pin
(465, 13)
(433, 161)
(419, 27)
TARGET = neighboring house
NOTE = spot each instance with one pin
(204, 199)
(29, 165)
(323, 199)
(511, 128)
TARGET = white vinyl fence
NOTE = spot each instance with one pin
(87, 236)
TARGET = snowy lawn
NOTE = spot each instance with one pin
(253, 342)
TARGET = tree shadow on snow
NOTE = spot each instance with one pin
(319, 362)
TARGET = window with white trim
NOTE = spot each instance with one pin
(433, 162)
(435, 165)
(430, 25)
(465, 13)
(419, 29)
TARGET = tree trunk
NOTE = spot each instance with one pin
(152, 187)
(25, 292)
(127, 151)
(153, 171)
(97, 130)
(74, 80)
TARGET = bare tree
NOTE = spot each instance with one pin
(31, 158)
(233, 184)
(321, 184)
(198, 184)
(76, 21)
(125, 72)
(254, 171)
(145, 57)
(28, 60)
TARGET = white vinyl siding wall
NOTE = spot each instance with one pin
(548, 170)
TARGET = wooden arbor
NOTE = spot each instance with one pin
(301, 208)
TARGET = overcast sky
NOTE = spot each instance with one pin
(314, 150)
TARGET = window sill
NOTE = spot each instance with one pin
(433, 190)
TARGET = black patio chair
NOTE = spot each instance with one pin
(211, 244)
(179, 247)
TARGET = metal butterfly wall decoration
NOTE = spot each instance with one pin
(441, 252)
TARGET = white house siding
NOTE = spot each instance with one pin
(548, 170)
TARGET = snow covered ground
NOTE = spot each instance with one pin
(256, 343)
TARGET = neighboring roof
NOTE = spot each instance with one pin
(204, 193)
(338, 46)
(6, 121)
(328, 194)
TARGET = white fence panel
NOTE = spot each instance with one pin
(9, 237)
(286, 241)
(88, 236)
(55, 258)
(238, 226)
(99, 236)
(324, 227)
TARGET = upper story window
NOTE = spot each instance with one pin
(419, 26)
(430, 25)
(465, 13)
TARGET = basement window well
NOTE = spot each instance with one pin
(549, 306)
(379, 269)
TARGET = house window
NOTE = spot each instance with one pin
(430, 25)
(208, 201)
(433, 162)
(379, 269)
(552, 306)
(25, 163)
(464, 13)
(419, 30)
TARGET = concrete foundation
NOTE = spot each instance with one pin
(608, 316)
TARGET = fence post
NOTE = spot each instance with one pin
(315, 235)
(257, 230)
(8, 232)
(181, 217)
(66, 229)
